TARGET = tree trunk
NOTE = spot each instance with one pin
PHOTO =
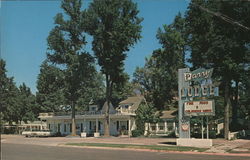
(106, 120)
(20, 124)
(148, 133)
(17, 124)
(73, 120)
(226, 114)
(235, 104)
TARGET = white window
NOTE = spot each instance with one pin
(93, 108)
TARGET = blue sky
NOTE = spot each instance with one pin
(25, 26)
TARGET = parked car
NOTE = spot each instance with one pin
(37, 133)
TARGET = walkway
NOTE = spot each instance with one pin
(235, 146)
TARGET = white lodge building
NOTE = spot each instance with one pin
(122, 119)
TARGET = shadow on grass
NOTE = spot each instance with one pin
(169, 143)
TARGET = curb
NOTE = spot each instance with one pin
(164, 151)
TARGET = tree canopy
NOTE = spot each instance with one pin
(50, 86)
(66, 43)
(115, 27)
(159, 75)
(16, 104)
(219, 44)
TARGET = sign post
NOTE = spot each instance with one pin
(184, 121)
(207, 128)
(202, 133)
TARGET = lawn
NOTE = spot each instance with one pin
(151, 147)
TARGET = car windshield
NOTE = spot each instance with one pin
(45, 130)
(37, 130)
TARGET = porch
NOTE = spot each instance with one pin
(92, 126)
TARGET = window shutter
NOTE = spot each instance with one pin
(127, 125)
(117, 125)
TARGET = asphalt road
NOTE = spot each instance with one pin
(36, 152)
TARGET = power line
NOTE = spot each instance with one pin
(224, 17)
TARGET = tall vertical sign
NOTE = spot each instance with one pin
(196, 84)
(184, 121)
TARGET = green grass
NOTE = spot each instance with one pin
(156, 136)
(152, 147)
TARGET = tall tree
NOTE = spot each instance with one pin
(219, 44)
(244, 103)
(115, 27)
(27, 107)
(66, 42)
(122, 90)
(16, 104)
(146, 113)
(93, 91)
(159, 75)
(50, 86)
(3, 88)
(8, 96)
(141, 77)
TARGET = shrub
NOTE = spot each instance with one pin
(212, 134)
(171, 135)
(221, 135)
(10, 130)
(137, 133)
(58, 134)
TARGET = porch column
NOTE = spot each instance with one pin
(54, 126)
(146, 128)
(96, 134)
(84, 131)
(165, 126)
(174, 125)
(129, 128)
(96, 125)
(157, 127)
(84, 125)
(149, 125)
